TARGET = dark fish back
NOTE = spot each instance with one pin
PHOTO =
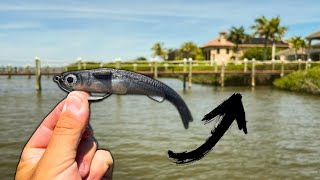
(172, 96)
(181, 106)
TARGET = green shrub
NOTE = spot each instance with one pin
(304, 81)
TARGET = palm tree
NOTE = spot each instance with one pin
(158, 50)
(237, 36)
(269, 30)
(190, 50)
(262, 29)
(297, 43)
(276, 33)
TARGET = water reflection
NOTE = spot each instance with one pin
(39, 98)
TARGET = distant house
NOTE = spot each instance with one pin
(220, 48)
(313, 52)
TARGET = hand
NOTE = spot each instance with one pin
(63, 146)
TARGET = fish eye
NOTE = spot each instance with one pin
(70, 79)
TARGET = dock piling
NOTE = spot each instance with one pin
(28, 71)
(184, 73)
(308, 64)
(282, 68)
(135, 65)
(253, 73)
(9, 71)
(155, 75)
(272, 62)
(38, 74)
(48, 71)
(190, 72)
(222, 72)
(185, 65)
(245, 68)
(166, 66)
(215, 65)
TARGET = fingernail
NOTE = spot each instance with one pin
(72, 104)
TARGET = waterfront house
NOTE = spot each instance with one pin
(313, 52)
(220, 48)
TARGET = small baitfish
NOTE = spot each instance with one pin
(113, 81)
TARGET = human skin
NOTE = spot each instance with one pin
(63, 146)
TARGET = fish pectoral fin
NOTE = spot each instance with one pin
(157, 98)
(98, 98)
(102, 74)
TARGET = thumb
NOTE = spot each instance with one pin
(67, 133)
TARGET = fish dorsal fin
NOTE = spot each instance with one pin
(102, 74)
(157, 98)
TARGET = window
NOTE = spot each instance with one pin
(218, 51)
(228, 50)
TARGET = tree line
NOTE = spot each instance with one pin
(269, 30)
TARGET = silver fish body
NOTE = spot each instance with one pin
(114, 81)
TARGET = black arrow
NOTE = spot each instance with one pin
(230, 110)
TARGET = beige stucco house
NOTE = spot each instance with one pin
(221, 49)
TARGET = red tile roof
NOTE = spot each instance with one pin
(217, 42)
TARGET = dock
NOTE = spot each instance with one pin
(185, 68)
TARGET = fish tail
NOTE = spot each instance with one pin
(181, 106)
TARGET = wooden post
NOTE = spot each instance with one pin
(28, 71)
(308, 64)
(184, 65)
(245, 68)
(282, 68)
(253, 73)
(215, 65)
(184, 81)
(222, 72)
(299, 64)
(155, 69)
(166, 66)
(151, 68)
(273, 61)
(101, 65)
(190, 73)
(84, 65)
(38, 74)
(9, 71)
(135, 67)
(48, 71)
(184, 73)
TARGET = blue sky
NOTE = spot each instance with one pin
(60, 31)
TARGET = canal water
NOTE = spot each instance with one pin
(282, 140)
